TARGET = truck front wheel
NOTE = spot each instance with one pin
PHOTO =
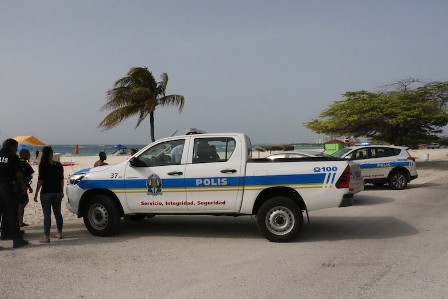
(279, 219)
(102, 216)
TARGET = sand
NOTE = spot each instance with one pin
(428, 171)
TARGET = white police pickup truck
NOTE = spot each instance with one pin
(211, 174)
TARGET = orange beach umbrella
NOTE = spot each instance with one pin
(30, 139)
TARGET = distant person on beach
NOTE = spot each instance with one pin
(37, 153)
(101, 162)
(27, 171)
(11, 182)
(51, 180)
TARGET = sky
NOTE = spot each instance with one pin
(259, 67)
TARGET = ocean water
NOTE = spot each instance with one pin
(87, 150)
(94, 149)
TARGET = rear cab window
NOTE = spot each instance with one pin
(210, 150)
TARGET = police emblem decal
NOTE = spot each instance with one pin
(154, 185)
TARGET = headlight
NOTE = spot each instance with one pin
(75, 179)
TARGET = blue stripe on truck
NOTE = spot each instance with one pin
(315, 178)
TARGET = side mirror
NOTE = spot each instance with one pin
(133, 162)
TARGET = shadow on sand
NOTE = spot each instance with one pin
(209, 227)
(350, 228)
(367, 200)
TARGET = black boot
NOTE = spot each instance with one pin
(19, 243)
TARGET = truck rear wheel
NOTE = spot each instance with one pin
(279, 219)
(102, 216)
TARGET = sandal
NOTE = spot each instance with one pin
(58, 236)
(44, 240)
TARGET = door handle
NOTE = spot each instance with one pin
(175, 173)
(228, 170)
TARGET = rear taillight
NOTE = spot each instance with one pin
(344, 180)
(411, 158)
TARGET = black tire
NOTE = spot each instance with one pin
(279, 219)
(398, 180)
(136, 217)
(102, 216)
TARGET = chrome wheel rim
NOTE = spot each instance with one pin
(98, 216)
(399, 180)
(280, 220)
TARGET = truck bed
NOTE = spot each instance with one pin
(306, 159)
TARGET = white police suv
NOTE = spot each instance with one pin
(382, 164)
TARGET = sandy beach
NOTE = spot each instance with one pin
(436, 167)
(208, 256)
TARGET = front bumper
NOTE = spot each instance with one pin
(74, 194)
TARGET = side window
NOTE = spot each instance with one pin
(377, 152)
(385, 152)
(382, 152)
(360, 154)
(208, 150)
(394, 151)
(166, 153)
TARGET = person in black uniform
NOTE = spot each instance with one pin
(27, 172)
(10, 174)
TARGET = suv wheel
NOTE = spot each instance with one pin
(398, 180)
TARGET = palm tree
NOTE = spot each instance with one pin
(138, 93)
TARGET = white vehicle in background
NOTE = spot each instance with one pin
(433, 145)
(382, 164)
(296, 155)
(211, 174)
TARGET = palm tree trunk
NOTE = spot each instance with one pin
(151, 122)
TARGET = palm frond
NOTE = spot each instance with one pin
(117, 116)
(142, 116)
(137, 76)
(172, 100)
(161, 87)
(116, 98)
(125, 96)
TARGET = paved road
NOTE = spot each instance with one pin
(391, 244)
